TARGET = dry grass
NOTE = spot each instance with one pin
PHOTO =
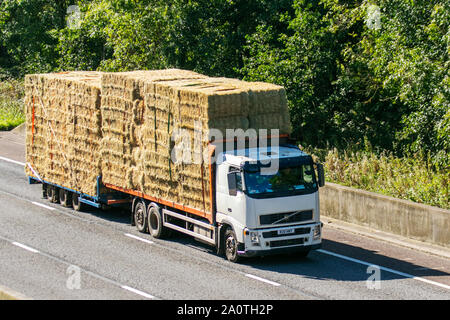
(411, 178)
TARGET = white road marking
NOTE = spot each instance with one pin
(141, 293)
(25, 247)
(138, 238)
(113, 282)
(43, 205)
(406, 275)
(262, 279)
(12, 161)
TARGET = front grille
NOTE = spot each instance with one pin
(299, 216)
(274, 234)
(283, 243)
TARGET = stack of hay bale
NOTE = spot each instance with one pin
(129, 136)
(141, 112)
(137, 124)
(63, 128)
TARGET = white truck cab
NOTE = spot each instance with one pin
(268, 210)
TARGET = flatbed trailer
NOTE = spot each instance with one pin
(73, 198)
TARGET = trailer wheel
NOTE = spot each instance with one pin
(76, 203)
(44, 190)
(65, 198)
(140, 216)
(231, 246)
(155, 223)
(53, 194)
(49, 191)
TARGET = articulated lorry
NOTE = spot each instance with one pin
(208, 157)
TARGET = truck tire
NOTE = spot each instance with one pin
(140, 216)
(76, 203)
(44, 190)
(53, 194)
(231, 246)
(65, 198)
(155, 223)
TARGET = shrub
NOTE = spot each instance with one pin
(413, 177)
(11, 104)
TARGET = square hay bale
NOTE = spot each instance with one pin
(141, 130)
(142, 110)
(63, 128)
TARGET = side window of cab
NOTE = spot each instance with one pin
(238, 175)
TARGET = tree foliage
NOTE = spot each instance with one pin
(358, 73)
(350, 82)
(28, 35)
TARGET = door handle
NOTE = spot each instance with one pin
(229, 210)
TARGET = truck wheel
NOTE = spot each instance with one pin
(48, 192)
(76, 203)
(44, 190)
(155, 223)
(65, 198)
(140, 216)
(53, 194)
(231, 246)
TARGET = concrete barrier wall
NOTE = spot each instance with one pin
(400, 217)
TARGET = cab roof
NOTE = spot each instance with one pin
(253, 155)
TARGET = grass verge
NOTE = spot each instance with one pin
(11, 104)
(411, 178)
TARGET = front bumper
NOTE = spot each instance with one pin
(257, 253)
(292, 238)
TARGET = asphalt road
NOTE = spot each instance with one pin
(50, 252)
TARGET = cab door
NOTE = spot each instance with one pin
(230, 196)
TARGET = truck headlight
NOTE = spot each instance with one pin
(316, 232)
(254, 237)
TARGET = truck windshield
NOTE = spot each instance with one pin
(287, 181)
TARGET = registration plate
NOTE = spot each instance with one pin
(286, 231)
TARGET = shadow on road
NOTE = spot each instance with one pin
(316, 266)
(113, 214)
(322, 266)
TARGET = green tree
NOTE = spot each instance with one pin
(209, 36)
(27, 38)
(304, 60)
(202, 35)
(351, 82)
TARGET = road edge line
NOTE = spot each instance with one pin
(8, 294)
(376, 234)
(386, 269)
(12, 161)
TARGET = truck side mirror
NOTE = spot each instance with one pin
(232, 184)
(321, 174)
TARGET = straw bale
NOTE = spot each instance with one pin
(121, 126)
(142, 109)
(64, 146)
